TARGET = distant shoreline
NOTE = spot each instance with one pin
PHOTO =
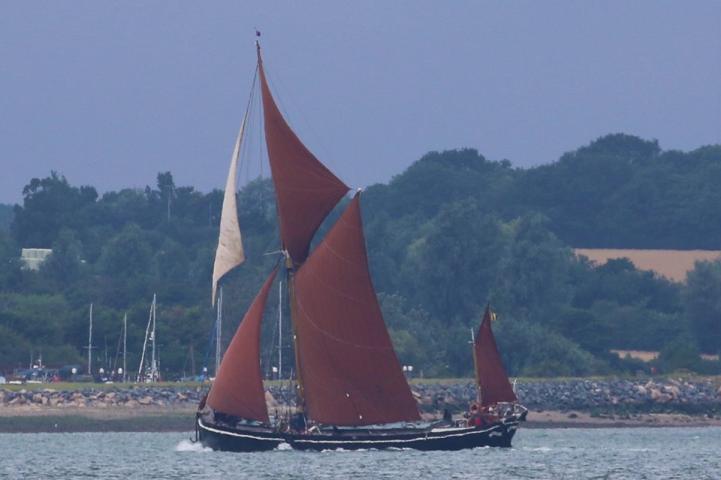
(552, 403)
(152, 419)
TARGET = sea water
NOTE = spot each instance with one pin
(620, 453)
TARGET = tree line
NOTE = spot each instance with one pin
(450, 234)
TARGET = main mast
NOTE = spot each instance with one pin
(218, 330)
(280, 329)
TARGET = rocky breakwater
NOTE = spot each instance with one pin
(116, 397)
(656, 395)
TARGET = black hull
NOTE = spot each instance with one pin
(453, 438)
(442, 439)
(237, 440)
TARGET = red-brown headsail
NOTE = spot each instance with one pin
(350, 373)
(238, 387)
(490, 374)
(305, 188)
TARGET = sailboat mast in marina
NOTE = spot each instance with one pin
(150, 372)
(351, 391)
(125, 347)
(90, 340)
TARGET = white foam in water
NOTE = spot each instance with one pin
(537, 449)
(284, 446)
(188, 446)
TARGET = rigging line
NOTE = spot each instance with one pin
(339, 256)
(269, 355)
(211, 341)
(272, 81)
(343, 378)
(245, 148)
(255, 139)
(331, 288)
(332, 387)
(275, 239)
(261, 116)
(260, 135)
(246, 116)
(335, 337)
(117, 350)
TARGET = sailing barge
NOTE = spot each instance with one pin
(352, 393)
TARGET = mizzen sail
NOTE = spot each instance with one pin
(238, 387)
(305, 188)
(350, 373)
(490, 374)
(229, 253)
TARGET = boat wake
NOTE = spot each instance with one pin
(188, 446)
(284, 446)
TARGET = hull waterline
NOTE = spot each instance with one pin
(454, 438)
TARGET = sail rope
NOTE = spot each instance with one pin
(244, 147)
(277, 85)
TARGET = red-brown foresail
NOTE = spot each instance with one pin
(306, 190)
(490, 374)
(351, 375)
(238, 387)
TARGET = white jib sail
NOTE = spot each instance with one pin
(229, 253)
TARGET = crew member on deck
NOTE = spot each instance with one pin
(474, 418)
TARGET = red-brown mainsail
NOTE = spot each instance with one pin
(351, 375)
(306, 190)
(490, 374)
(238, 387)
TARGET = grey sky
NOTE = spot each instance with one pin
(110, 93)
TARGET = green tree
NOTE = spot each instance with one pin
(14, 349)
(49, 204)
(530, 349)
(166, 186)
(452, 269)
(128, 253)
(10, 275)
(533, 280)
(6, 216)
(703, 304)
(64, 264)
(679, 353)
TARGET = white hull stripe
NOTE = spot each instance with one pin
(241, 435)
(426, 438)
(410, 440)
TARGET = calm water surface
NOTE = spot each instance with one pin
(678, 453)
